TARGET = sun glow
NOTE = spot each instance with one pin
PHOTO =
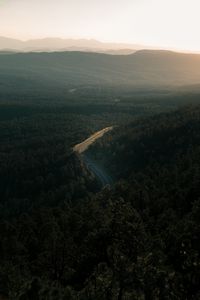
(166, 24)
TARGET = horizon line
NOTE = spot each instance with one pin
(126, 44)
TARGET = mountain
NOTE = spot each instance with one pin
(58, 44)
(7, 43)
(22, 73)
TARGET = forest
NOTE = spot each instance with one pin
(63, 234)
(61, 74)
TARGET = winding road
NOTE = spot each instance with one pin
(82, 147)
(101, 174)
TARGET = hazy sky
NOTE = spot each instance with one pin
(164, 23)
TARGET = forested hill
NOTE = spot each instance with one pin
(162, 139)
(137, 240)
(22, 73)
(158, 161)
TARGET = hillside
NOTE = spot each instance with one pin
(162, 139)
(22, 74)
(156, 164)
(67, 238)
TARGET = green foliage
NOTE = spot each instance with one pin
(63, 237)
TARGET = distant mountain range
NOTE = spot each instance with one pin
(58, 44)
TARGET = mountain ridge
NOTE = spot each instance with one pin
(63, 71)
(52, 44)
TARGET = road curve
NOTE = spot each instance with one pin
(101, 174)
(82, 147)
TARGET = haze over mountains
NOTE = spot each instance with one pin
(58, 44)
(60, 71)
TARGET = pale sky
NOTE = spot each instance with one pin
(162, 23)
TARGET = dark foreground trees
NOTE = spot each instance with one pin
(63, 238)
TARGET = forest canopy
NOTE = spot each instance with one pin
(63, 236)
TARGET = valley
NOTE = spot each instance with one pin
(99, 150)
(99, 198)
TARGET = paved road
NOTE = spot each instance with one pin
(101, 174)
(82, 147)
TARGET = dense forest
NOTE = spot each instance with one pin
(63, 235)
